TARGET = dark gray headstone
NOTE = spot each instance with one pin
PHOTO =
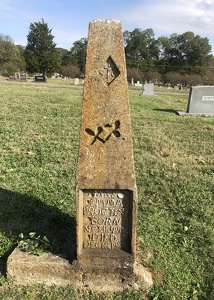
(40, 78)
(201, 101)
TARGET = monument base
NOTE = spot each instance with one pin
(25, 268)
(184, 113)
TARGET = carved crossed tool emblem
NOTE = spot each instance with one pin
(104, 133)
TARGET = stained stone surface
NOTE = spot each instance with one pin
(25, 268)
(106, 188)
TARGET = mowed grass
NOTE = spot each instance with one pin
(174, 160)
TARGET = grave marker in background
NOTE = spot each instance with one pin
(23, 77)
(12, 77)
(18, 77)
(138, 83)
(40, 78)
(148, 89)
(201, 101)
(76, 81)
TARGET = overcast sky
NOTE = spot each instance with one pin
(69, 19)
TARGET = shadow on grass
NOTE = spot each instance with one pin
(21, 213)
(165, 110)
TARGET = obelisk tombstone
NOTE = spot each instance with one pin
(106, 186)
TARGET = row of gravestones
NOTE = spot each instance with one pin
(37, 78)
(200, 103)
(41, 78)
(23, 77)
(18, 77)
(201, 98)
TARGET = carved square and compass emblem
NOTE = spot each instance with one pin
(109, 72)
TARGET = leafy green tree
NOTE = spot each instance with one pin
(65, 56)
(141, 49)
(184, 53)
(11, 60)
(210, 72)
(170, 59)
(195, 52)
(78, 53)
(164, 54)
(41, 54)
(134, 48)
(21, 50)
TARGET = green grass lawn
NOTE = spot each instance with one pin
(174, 160)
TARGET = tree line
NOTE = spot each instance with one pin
(180, 58)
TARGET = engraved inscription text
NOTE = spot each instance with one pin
(106, 219)
(207, 98)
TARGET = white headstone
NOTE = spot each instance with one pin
(76, 81)
(148, 89)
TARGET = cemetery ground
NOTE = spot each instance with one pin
(174, 161)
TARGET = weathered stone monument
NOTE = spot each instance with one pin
(106, 188)
(148, 89)
(201, 101)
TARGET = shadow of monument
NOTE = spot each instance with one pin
(21, 213)
(165, 110)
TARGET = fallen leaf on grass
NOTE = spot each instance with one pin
(174, 165)
(30, 153)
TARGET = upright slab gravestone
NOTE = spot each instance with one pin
(201, 102)
(106, 187)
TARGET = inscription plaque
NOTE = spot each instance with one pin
(207, 98)
(106, 219)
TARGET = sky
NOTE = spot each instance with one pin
(69, 19)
